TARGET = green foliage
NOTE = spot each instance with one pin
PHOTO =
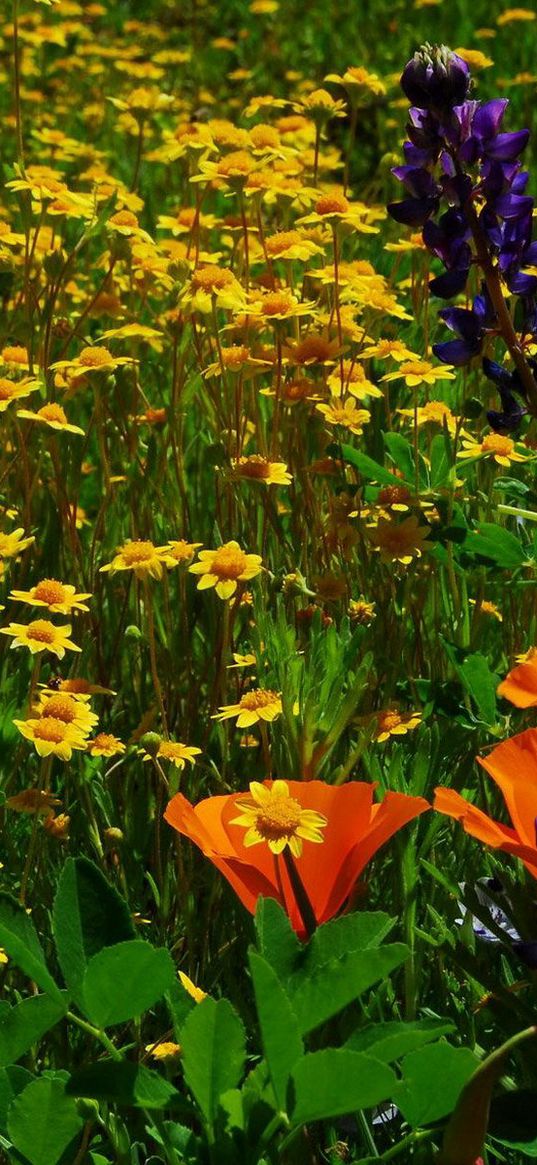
(43, 1121)
(124, 980)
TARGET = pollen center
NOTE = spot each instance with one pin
(50, 591)
(50, 729)
(62, 708)
(228, 562)
(94, 357)
(40, 631)
(53, 412)
(261, 698)
(495, 443)
(332, 204)
(135, 552)
(280, 817)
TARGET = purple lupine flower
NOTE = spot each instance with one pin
(436, 78)
(459, 153)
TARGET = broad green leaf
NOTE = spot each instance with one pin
(365, 465)
(123, 981)
(276, 938)
(213, 1043)
(89, 914)
(482, 684)
(43, 1121)
(12, 1081)
(432, 1079)
(497, 543)
(389, 1041)
(401, 453)
(338, 982)
(441, 461)
(125, 1083)
(24, 1024)
(335, 1082)
(280, 1035)
(18, 937)
(351, 932)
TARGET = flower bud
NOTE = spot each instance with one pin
(150, 742)
(436, 78)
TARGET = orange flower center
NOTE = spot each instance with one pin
(393, 494)
(228, 562)
(389, 720)
(212, 278)
(282, 241)
(62, 708)
(136, 552)
(312, 348)
(40, 631)
(280, 817)
(435, 410)
(80, 687)
(264, 135)
(124, 218)
(181, 550)
(14, 354)
(415, 367)
(50, 729)
(53, 412)
(277, 303)
(235, 356)
(261, 698)
(186, 216)
(254, 466)
(7, 389)
(494, 443)
(105, 741)
(332, 204)
(170, 751)
(235, 165)
(94, 357)
(50, 591)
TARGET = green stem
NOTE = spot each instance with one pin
(97, 1034)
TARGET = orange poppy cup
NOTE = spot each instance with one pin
(355, 829)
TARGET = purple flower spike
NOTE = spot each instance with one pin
(436, 78)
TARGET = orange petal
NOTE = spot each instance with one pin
(520, 686)
(513, 766)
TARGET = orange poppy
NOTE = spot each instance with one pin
(513, 766)
(520, 685)
(349, 830)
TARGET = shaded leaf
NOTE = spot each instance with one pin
(432, 1081)
(123, 981)
(213, 1042)
(280, 1035)
(335, 1082)
(18, 937)
(24, 1024)
(124, 1083)
(43, 1121)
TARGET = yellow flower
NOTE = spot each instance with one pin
(15, 356)
(358, 81)
(258, 704)
(335, 208)
(9, 390)
(236, 359)
(32, 801)
(485, 607)
(225, 567)
(104, 744)
(257, 468)
(279, 305)
(361, 611)
(176, 752)
(416, 372)
(52, 737)
(435, 412)
(165, 1050)
(247, 660)
(502, 449)
(56, 596)
(474, 58)
(392, 723)
(211, 285)
(398, 541)
(93, 359)
(346, 414)
(385, 349)
(41, 635)
(13, 544)
(195, 993)
(272, 816)
(52, 415)
(354, 381)
(320, 106)
(291, 245)
(515, 14)
(142, 557)
(181, 551)
(62, 706)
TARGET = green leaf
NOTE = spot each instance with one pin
(497, 543)
(365, 465)
(276, 938)
(125, 1083)
(12, 1081)
(351, 932)
(88, 915)
(389, 1041)
(513, 1121)
(18, 937)
(213, 1042)
(432, 1079)
(280, 1035)
(23, 1025)
(43, 1121)
(335, 1082)
(441, 461)
(401, 453)
(123, 981)
(338, 982)
(477, 678)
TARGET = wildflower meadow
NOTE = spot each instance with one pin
(268, 582)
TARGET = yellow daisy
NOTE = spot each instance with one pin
(51, 737)
(56, 596)
(256, 705)
(225, 568)
(41, 635)
(142, 557)
(273, 816)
